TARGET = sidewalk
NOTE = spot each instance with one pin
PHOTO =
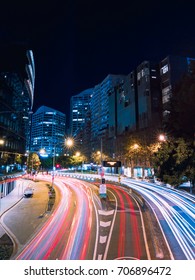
(20, 217)
(15, 195)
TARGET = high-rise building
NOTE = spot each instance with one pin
(172, 69)
(48, 131)
(149, 96)
(122, 113)
(122, 106)
(100, 109)
(17, 80)
(79, 106)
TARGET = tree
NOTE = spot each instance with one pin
(97, 157)
(70, 161)
(140, 152)
(46, 162)
(174, 161)
(18, 159)
(33, 162)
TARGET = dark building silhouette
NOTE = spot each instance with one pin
(17, 79)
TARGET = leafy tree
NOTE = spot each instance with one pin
(4, 158)
(33, 161)
(173, 161)
(64, 161)
(96, 157)
(136, 153)
(46, 163)
(70, 161)
(18, 159)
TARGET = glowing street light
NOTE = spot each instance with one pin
(135, 146)
(2, 142)
(77, 154)
(162, 138)
(42, 152)
(69, 142)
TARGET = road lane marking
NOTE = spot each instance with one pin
(105, 224)
(106, 213)
(100, 257)
(111, 228)
(103, 239)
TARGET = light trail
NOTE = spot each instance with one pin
(136, 247)
(43, 243)
(67, 232)
(53, 240)
(177, 209)
(81, 226)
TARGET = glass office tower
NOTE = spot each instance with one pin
(48, 131)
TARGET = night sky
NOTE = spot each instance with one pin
(76, 44)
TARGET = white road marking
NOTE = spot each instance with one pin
(106, 213)
(103, 239)
(99, 257)
(105, 224)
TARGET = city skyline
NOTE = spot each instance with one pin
(117, 182)
(77, 45)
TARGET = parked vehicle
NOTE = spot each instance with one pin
(28, 192)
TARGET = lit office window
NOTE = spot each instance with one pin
(164, 69)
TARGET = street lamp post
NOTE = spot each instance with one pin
(69, 142)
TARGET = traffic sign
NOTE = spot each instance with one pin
(103, 180)
(112, 163)
(102, 189)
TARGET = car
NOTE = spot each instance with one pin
(28, 192)
(185, 185)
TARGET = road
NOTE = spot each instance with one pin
(139, 220)
(174, 211)
(84, 227)
(128, 239)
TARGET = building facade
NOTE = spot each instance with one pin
(100, 110)
(17, 80)
(172, 69)
(148, 96)
(122, 104)
(79, 106)
(48, 131)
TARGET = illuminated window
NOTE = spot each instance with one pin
(164, 69)
(165, 113)
(166, 91)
